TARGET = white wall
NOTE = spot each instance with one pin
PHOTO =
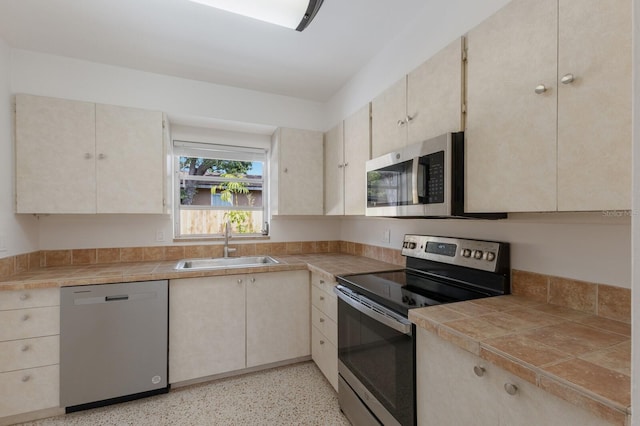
(17, 234)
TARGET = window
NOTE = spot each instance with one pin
(215, 184)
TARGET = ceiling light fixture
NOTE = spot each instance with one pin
(295, 14)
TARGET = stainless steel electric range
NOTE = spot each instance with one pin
(376, 344)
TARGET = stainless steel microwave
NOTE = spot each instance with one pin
(425, 179)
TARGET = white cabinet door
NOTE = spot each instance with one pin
(206, 326)
(511, 130)
(278, 317)
(434, 95)
(130, 161)
(594, 110)
(388, 119)
(449, 393)
(55, 155)
(298, 187)
(334, 171)
(357, 150)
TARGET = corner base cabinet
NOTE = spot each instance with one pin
(450, 393)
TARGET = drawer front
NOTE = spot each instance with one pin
(323, 283)
(29, 298)
(28, 390)
(326, 325)
(27, 323)
(325, 302)
(325, 355)
(29, 353)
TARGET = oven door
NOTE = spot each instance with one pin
(376, 353)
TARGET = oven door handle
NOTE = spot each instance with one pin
(380, 313)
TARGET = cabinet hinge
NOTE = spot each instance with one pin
(163, 124)
(464, 54)
(464, 108)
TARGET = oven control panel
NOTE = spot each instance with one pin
(477, 254)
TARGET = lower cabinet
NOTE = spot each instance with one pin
(455, 387)
(29, 351)
(324, 329)
(226, 323)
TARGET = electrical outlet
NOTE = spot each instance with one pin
(159, 236)
(386, 236)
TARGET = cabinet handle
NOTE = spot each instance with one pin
(239, 280)
(567, 79)
(24, 296)
(26, 378)
(540, 89)
(410, 118)
(87, 156)
(102, 156)
(479, 370)
(401, 123)
(25, 348)
(510, 388)
(25, 317)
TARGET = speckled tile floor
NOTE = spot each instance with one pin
(291, 395)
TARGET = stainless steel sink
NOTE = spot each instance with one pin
(225, 262)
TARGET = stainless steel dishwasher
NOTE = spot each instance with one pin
(113, 343)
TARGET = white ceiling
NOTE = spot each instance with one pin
(190, 40)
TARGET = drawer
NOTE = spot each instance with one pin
(29, 353)
(29, 298)
(326, 325)
(28, 390)
(325, 302)
(325, 355)
(323, 283)
(27, 323)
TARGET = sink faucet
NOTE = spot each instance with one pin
(226, 249)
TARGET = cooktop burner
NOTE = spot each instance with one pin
(439, 270)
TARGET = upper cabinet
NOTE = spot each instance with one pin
(347, 149)
(297, 172)
(426, 103)
(79, 157)
(549, 108)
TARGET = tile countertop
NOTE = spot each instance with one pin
(328, 265)
(579, 357)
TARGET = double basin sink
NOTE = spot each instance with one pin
(225, 262)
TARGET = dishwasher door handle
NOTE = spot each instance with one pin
(118, 297)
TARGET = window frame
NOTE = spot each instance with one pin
(180, 147)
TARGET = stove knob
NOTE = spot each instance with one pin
(477, 254)
(412, 302)
(490, 256)
(405, 299)
(412, 246)
(466, 253)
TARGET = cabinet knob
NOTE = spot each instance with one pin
(321, 319)
(321, 297)
(567, 79)
(252, 279)
(340, 166)
(401, 123)
(410, 118)
(101, 156)
(540, 89)
(322, 342)
(25, 348)
(239, 280)
(25, 317)
(321, 281)
(346, 164)
(479, 370)
(24, 296)
(510, 388)
(26, 378)
(286, 170)
(87, 156)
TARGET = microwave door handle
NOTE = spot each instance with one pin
(414, 180)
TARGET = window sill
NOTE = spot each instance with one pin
(234, 238)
